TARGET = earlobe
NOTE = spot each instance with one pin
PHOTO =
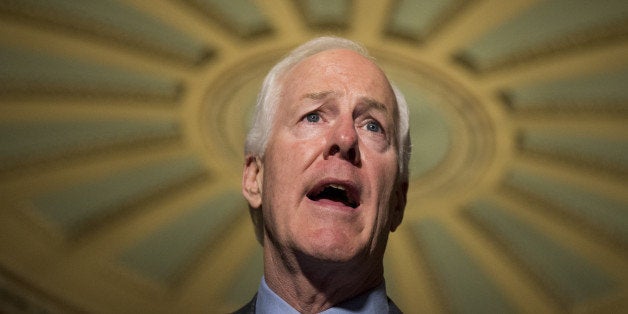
(399, 205)
(252, 181)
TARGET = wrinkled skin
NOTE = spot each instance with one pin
(335, 126)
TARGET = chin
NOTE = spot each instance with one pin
(336, 251)
(334, 257)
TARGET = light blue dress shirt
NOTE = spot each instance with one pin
(373, 301)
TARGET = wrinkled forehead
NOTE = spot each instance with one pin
(339, 70)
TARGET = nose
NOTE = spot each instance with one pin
(343, 142)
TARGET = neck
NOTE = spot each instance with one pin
(311, 285)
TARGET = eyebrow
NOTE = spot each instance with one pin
(318, 95)
(372, 103)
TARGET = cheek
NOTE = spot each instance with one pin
(383, 164)
(279, 159)
(304, 131)
(283, 170)
(294, 153)
(385, 183)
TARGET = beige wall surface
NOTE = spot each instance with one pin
(122, 125)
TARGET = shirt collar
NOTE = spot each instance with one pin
(372, 301)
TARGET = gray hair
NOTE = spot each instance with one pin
(269, 97)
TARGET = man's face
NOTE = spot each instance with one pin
(328, 186)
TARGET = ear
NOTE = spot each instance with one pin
(252, 181)
(399, 206)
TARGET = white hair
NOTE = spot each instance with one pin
(269, 98)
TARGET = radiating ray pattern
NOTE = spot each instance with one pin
(122, 124)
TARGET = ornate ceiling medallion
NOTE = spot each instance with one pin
(453, 136)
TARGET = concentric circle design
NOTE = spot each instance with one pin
(230, 100)
(454, 139)
(122, 125)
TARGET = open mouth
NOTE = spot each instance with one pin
(335, 192)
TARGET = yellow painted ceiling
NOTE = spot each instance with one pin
(122, 126)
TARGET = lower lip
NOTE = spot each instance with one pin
(333, 205)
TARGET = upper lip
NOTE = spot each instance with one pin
(347, 191)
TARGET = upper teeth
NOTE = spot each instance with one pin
(339, 187)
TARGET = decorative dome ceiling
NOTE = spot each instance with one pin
(123, 123)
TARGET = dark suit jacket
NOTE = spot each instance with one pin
(249, 308)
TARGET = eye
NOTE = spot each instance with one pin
(373, 126)
(313, 117)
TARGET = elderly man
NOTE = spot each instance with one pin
(326, 178)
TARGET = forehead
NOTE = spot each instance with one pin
(343, 71)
